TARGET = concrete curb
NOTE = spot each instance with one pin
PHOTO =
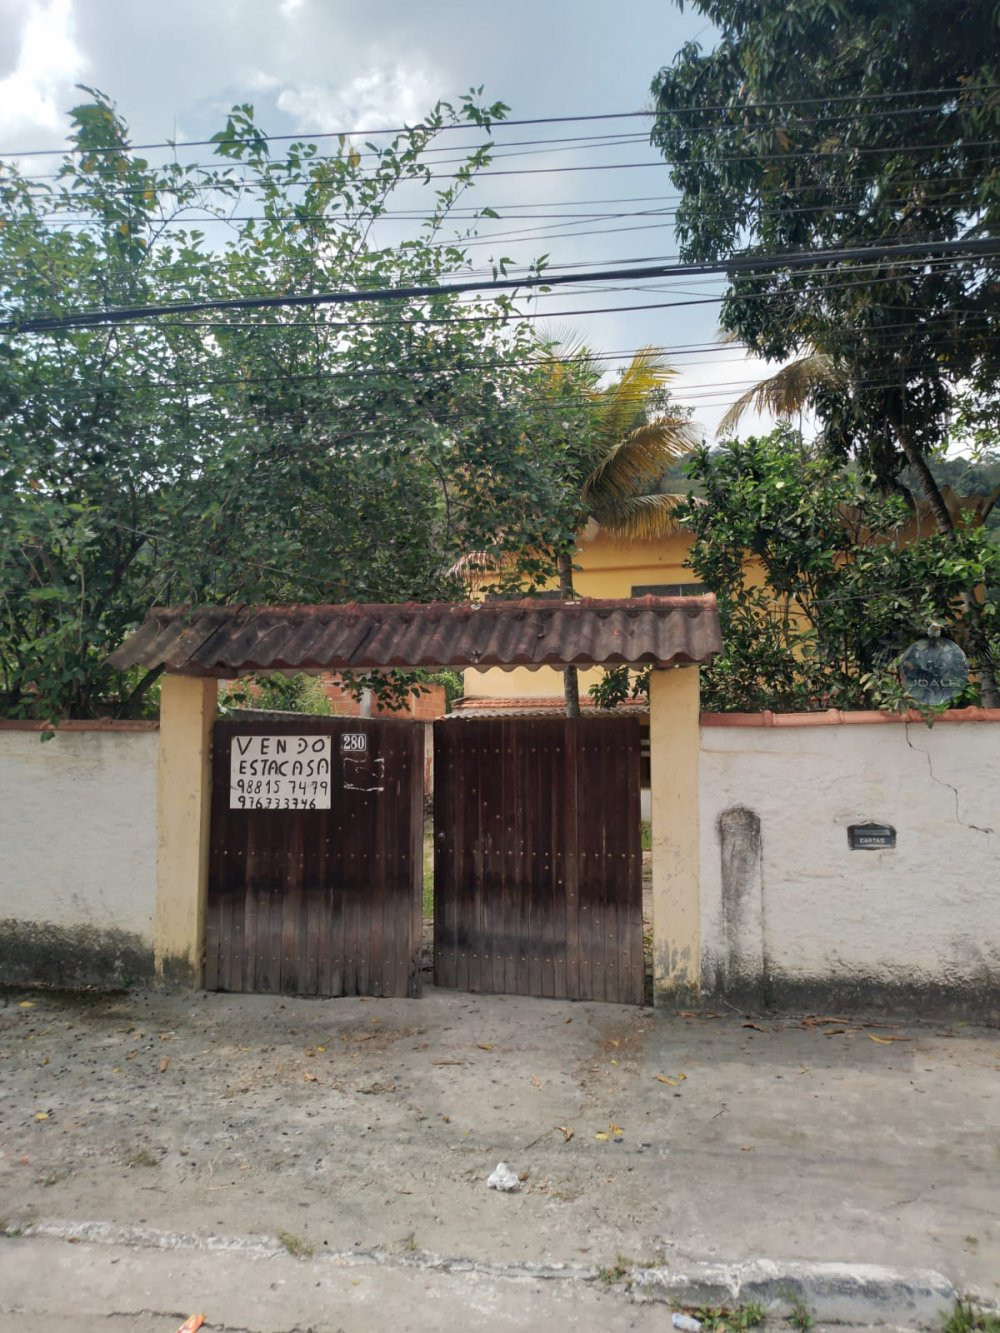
(844, 1293)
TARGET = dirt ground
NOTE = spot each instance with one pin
(372, 1126)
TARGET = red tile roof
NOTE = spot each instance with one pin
(227, 640)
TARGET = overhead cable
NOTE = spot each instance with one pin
(741, 263)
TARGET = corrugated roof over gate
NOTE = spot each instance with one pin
(228, 640)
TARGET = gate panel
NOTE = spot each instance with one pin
(320, 901)
(538, 862)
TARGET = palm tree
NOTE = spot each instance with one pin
(629, 448)
(627, 456)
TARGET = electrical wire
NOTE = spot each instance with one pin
(503, 364)
(660, 163)
(740, 108)
(498, 148)
(736, 264)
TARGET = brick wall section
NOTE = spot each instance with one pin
(423, 707)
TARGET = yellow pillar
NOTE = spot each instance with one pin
(184, 789)
(674, 750)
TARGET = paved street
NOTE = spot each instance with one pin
(293, 1164)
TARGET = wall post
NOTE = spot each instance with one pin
(183, 791)
(674, 752)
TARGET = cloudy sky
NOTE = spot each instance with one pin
(315, 66)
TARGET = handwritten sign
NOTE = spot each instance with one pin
(280, 773)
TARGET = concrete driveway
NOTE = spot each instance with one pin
(286, 1163)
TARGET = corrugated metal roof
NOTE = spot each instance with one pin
(229, 640)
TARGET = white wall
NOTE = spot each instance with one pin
(78, 861)
(802, 915)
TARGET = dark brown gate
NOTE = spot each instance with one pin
(538, 862)
(309, 900)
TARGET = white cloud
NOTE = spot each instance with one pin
(378, 96)
(48, 59)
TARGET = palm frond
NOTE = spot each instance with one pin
(786, 392)
(637, 458)
(622, 402)
(641, 518)
(477, 569)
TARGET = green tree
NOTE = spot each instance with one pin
(831, 124)
(278, 454)
(843, 588)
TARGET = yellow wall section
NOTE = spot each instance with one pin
(605, 569)
(674, 760)
(184, 786)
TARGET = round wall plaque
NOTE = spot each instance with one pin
(934, 671)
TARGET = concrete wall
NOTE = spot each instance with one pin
(78, 859)
(790, 915)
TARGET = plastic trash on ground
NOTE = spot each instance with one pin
(503, 1179)
(686, 1323)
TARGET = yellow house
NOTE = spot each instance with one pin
(604, 568)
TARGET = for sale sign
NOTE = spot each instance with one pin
(280, 773)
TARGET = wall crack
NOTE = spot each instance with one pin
(978, 828)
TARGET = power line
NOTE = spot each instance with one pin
(502, 364)
(507, 317)
(743, 263)
(957, 90)
(485, 172)
(476, 238)
(497, 147)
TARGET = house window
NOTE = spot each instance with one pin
(668, 590)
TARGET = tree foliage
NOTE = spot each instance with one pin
(819, 581)
(826, 124)
(270, 455)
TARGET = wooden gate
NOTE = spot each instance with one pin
(316, 857)
(538, 861)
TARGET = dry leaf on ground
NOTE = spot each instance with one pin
(672, 1082)
(886, 1041)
